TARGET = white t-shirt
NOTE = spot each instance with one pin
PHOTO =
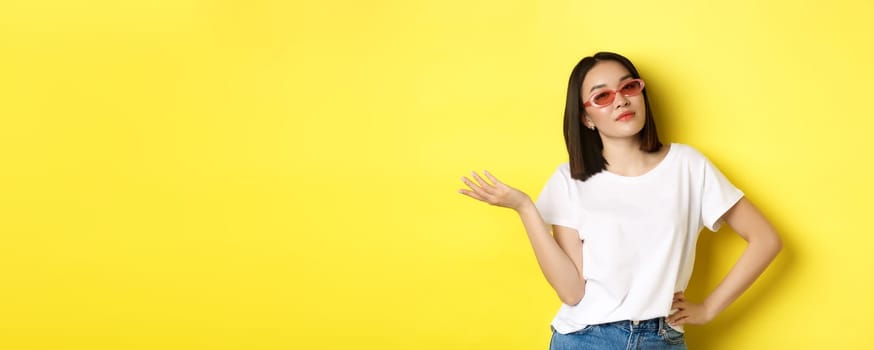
(639, 233)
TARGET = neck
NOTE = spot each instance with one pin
(621, 150)
(624, 156)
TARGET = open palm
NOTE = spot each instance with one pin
(493, 192)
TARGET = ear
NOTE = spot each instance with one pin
(587, 122)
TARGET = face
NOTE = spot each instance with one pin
(624, 117)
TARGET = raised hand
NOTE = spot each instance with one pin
(494, 192)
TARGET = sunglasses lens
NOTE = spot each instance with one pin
(606, 97)
(631, 88)
(603, 98)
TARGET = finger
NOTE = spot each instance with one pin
(680, 321)
(480, 180)
(486, 186)
(474, 187)
(472, 194)
(676, 316)
(491, 177)
(469, 183)
(498, 185)
(481, 194)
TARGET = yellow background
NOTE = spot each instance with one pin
(181, 174)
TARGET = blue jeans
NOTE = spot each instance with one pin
(652, 334)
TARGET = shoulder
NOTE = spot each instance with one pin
(688, 153)
(684, 149)
(561, 175)
(563, 171)
(694, 160)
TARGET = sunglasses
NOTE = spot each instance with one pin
(605, 97)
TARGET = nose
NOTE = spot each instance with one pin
(621, 100)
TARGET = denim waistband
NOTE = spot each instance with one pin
(654, 324)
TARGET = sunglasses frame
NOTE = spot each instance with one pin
(590, 102)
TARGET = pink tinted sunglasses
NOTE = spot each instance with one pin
(605, 97)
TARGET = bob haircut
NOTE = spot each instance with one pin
(584, 146)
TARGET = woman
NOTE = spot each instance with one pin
(624, 214)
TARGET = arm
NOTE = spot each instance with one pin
(763, 244)
(560, 258)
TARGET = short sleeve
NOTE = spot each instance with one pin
(556, 201)
(718, 196)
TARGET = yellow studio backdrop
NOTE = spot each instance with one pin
(282, 175)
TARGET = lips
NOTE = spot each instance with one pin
(625, 116)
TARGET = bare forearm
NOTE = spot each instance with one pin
(559, 269)
(754, 260)
(763, 244)
(555, 264)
